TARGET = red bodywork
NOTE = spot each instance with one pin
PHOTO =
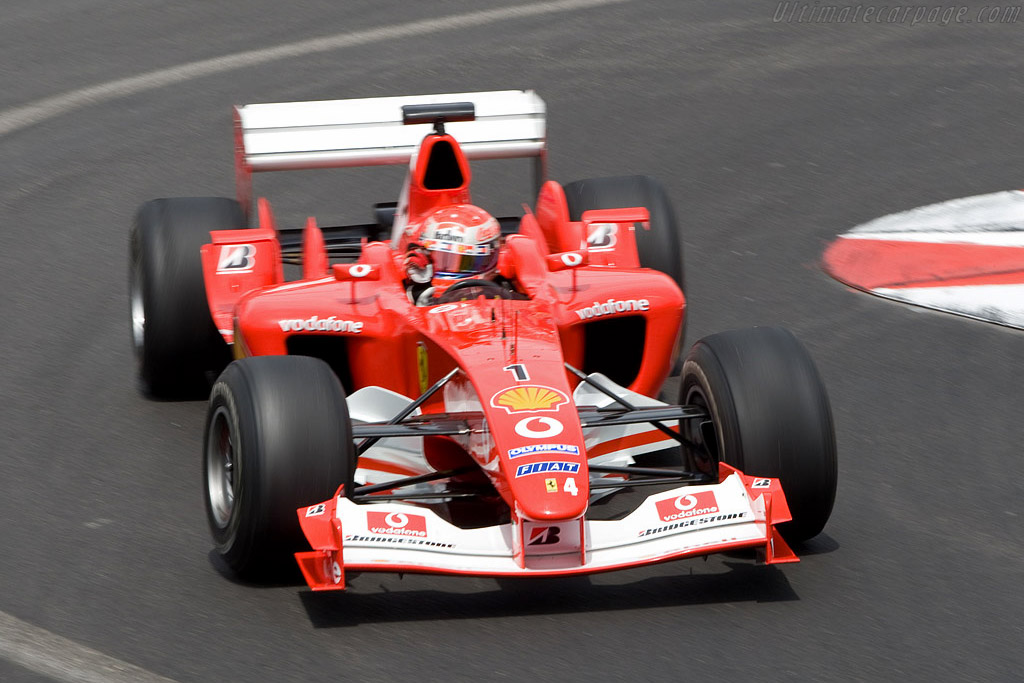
(365, 304)
(512, 387)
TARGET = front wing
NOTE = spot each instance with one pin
(740, 512)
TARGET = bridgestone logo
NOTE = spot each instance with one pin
(685, 524)
(318, 324)
(612, 306)
(355, 538)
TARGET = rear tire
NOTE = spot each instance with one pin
(278, 437)
(660, 247)
(176, 343)
(771, 415)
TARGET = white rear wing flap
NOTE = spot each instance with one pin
(370, 132)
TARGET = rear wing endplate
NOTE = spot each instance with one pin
(370, 132)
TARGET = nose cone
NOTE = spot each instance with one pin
(540, 446)
(550, 490)
(534, 452)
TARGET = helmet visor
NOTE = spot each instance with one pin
(455, 260)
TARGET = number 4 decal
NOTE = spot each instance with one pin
(518, 370)
(570, 486)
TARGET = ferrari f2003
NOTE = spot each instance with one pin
(443, 390)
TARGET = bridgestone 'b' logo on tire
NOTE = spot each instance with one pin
(688, 505)
(396, 524)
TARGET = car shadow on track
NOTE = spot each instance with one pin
(822, 544)
(743, 581)
(284, 575)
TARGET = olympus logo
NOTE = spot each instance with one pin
(318, 324)
(612, 306)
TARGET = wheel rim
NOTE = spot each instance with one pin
(220, 468)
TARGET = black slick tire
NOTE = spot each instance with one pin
(278, 437)
(176, 343)
(771, 416)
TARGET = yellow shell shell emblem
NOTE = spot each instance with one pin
(528, 399)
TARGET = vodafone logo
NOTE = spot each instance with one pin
(612, 306)
(356, 271)
(539, 427)
(687, 505)
(396, 524)
(317, 324)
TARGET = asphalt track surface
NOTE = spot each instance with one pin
(771, 137)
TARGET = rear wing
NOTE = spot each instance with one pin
(370, 132)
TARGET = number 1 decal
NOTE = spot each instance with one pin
(518, 370)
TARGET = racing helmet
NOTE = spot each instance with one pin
(463, 241)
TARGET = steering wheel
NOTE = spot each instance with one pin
(466, 290)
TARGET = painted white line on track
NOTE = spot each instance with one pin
(62, 659)
(35, 112)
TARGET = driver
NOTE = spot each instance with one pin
(456, 242)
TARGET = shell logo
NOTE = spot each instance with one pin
(528, 399)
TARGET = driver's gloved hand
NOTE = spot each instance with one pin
(419, 266)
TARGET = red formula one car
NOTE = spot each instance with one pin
(446, 391)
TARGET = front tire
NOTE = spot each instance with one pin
(277, 437)
(176, 343)
(771, 416)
